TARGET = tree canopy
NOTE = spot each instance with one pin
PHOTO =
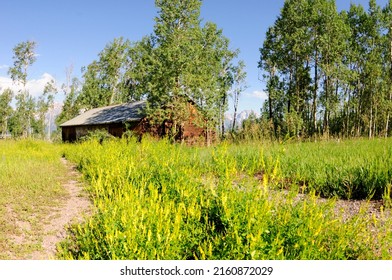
(181, 61)
(328, 72)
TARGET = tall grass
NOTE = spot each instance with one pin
(30, 186)
(355, 169)
(155, 200)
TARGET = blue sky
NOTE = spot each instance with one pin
(73, 32)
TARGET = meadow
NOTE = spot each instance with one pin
(157, 200)
(31, 177)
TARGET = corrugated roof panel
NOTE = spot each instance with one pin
(110, 114)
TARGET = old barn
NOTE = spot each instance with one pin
(116, 119)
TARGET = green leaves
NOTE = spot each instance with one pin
(24, 56)
(5, 109)
(105, 80)
(331, 69)
(71, 104)
(180, 62)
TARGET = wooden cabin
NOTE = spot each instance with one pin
(114, 119)
(117, 119)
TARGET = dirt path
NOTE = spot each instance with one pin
(72, 210)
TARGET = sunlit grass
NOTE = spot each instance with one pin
(352, 169)
(30, 186)
(155, 200)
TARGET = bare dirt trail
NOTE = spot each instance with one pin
(74, 208)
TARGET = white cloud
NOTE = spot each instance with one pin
(4, 66)
(6, 82)
(259, 94)
(34, 86)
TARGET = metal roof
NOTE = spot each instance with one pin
(110, 114)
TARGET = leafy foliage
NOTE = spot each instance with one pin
(180, 62)
(328, 73)
(24, 56)
(71, 106)
(104, 79)
(5, 110)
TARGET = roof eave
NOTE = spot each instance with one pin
(89, 124)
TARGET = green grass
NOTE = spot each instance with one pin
(155, 200)
(30, 186)
(354, 169)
